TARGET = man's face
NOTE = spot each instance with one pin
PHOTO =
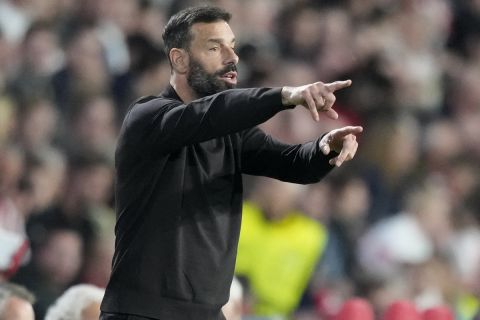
(212, 64)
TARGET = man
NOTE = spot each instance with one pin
(180, 159)
(15, 302)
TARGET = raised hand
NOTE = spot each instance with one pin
(343, 141)
(316, 97)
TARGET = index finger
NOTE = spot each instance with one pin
(348, 130)
(334, 86)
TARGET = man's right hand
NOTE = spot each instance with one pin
(316, 97)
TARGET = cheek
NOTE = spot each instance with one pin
(211, 68)
(210, 62)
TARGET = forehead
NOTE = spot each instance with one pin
(203, 31)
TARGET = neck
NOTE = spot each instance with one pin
(180, 84)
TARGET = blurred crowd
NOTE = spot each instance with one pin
(400, 221)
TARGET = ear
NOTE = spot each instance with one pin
(180, 60)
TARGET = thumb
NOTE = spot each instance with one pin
(324, 146)
(326, 149)
(348, 130)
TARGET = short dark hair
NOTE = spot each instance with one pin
(176, 33)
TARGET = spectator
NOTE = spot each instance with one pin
(54, 267)
(85, 71)
(15, 302)
(38, 125)
(13, 252)
(46, 173)
(278, 248)
(80, 302)
(41, 57)
(92, 127)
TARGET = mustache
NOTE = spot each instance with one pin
(230, 67)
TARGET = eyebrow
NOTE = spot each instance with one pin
(219, 40)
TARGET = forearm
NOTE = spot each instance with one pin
(175, 124)
(226, 112)
(302, 163)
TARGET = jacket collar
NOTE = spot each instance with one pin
(170, 93)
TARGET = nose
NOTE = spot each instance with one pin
(231, 56)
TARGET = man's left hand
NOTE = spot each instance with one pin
(343, 141)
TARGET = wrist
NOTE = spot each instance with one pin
(286, 96)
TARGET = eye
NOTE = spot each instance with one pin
(213, 49)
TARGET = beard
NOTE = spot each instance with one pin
(204, 83)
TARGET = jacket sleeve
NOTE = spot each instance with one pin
(164, 125)
(265, 156)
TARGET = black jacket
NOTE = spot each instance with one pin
(179, 197)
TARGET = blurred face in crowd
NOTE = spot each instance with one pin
(41, 51)
(86, 61)
(211, 58)
(95, 125)
(47, 179)
(61, 257)
(353, 200)
(17, 309)
(12, 163)
(38, 124)
(277, 198)
(95, 183)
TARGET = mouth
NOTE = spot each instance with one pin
(230, 77)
